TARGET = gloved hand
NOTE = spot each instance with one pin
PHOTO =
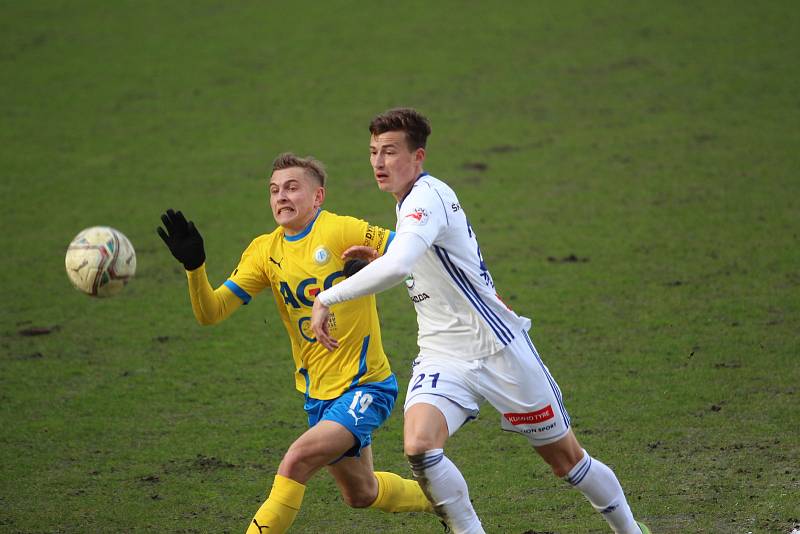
(352, 266)
(182, 239)
(356, 258)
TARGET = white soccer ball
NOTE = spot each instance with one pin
(100, 261)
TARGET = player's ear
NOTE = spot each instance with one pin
(319, 196)
(419, 155)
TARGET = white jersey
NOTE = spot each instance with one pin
(458, 310)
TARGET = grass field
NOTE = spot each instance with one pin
(631, 169)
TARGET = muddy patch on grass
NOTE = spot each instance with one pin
(199, 464)
(210, 463)
(503, 149)
(571, 258)
(33, 331)
(31, 356)
(479, 166)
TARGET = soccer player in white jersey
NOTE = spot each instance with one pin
(472, 347)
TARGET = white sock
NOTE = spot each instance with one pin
(600, 485)
(447, 490)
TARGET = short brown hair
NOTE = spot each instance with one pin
(407, 120)
(311, 165)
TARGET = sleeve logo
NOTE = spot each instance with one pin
(419, 217)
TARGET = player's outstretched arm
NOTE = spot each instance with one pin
(356, 258)
(183, 239)
(210, 306)
(186, 245)
(383, 273)
(380, 274)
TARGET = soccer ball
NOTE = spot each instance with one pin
(100, 261)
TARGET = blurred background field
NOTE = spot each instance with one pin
(631, 169)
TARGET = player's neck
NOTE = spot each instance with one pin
(400, 195)
(299, 228)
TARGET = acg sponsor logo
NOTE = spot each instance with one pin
(306, 290)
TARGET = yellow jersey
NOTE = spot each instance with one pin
(297, 268)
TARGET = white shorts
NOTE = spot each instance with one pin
(515, 381)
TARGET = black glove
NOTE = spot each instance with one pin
(183, 240)
(354, 265)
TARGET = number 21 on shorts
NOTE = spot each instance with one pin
(419, 381)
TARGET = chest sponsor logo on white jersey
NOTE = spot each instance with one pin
(419, 297)
(418, 217)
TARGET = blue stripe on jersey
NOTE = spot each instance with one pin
(305, 231)
(486, 308)
(304, 372)
(461, 280)
(362, 363)
(238, 291)
(389, 242)
(483, 304)
(550, 379)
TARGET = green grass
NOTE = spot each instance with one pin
(655, 142)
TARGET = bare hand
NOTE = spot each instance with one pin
(319, 325)
(360, 252)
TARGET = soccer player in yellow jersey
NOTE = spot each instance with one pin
(348, 392)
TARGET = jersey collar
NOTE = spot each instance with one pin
(305, 231)
(423, 173)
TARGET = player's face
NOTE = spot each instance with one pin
(294, 198)
(394, 165)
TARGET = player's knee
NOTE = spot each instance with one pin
(294, 464)
(562, 464)
(358, 498)
(561, 470)
(416, 445)
(562, 455)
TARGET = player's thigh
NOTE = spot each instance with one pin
(440, 399)
(519, 385)
(317, 447)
